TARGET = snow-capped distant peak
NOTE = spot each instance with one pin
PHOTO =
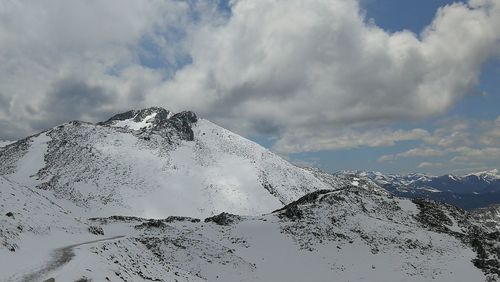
(453, 177)
(494, 174)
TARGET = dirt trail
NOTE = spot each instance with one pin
(59, 258)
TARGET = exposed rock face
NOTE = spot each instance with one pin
(442, 218)
(10, 154)
(489, 216)
(157, 119)
(182, 123)
(96, 230)
(485, 241)
(223, 219)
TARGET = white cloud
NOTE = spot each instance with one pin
(48, 43)
(492, 135)
(315, 74)
(457, 143)
(467, 154)
(305, 67)
(415, 152)
(429, 165)
(308, 141)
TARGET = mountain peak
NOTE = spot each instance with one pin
(488, 174)
(154, 119)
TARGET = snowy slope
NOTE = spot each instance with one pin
(153, 163)
(359, 233)
(32, 224)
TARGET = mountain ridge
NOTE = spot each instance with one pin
(469, 191)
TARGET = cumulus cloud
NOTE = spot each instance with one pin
(306, 67)
(467, 154)
(429, 165)
(415, 152)
(55, 51)
(463, 143)
(73, 98)
(316, 75)
(310, 141)
(492, 135)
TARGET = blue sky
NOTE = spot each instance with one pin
(339, 84)
(394, 15)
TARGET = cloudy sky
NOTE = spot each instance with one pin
(388, 85)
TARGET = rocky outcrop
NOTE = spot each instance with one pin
(163, 121)
(223, 219)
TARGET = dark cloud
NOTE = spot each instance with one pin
(75, 99)
(4, 102)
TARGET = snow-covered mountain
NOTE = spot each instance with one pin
(145, 196)
(394, 179)
(488, 176)
(468, 191)
(468, 183)
(154, 163)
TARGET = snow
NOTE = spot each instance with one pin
(488, 175)
(32, 162)
(430, 189)
(131, 124)
(197, 179)
(493, 172)
(408, 206)
(38, 225)
(4, 143)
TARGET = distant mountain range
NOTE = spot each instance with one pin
(474, 190)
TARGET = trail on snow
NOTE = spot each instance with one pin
(59, 258)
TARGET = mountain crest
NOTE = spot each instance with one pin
(155, 119)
